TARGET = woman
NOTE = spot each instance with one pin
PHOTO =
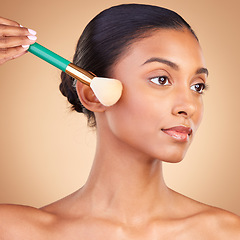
(158, 59)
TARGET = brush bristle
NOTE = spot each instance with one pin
(107, 90)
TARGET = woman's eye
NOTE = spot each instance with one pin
(199, 87)
(163, 80)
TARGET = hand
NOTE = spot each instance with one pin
(14, 39)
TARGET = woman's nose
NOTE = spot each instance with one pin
(185, 103)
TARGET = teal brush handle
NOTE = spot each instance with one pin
(106, 97)
(61, 63)
(49, 56)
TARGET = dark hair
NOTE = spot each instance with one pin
(108, 35)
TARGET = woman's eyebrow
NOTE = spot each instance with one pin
(162, 60)
(202, 70)
(173, 65)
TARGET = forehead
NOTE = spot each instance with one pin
(178, 46)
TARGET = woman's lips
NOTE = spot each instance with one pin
(179, 133)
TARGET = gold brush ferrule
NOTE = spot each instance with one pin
(79, 74)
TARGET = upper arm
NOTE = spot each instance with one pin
(16, 221)
(7, 221)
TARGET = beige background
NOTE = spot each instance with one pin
(46, 151)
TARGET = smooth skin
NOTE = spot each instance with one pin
(125, 196)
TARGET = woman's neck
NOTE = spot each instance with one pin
(125, 183)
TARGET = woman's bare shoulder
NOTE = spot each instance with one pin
(216, 223)
(226, 224)
(17, 220)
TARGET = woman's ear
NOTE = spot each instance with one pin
(88, 98)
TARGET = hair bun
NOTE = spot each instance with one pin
(68, 90)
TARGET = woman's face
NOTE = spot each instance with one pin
(161, 108)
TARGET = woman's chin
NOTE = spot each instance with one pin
(173, 157)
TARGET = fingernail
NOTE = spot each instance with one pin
(32, 38)
(32, 31)
(25, 46)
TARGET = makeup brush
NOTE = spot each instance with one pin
(107, 90)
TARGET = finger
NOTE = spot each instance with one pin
(6, 30)
(11, 53)
(18, 55)
(14, 57)
(8, 22)
(8, 42)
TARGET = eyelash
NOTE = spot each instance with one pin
(165, 82)
(204, 87)
(157, 80)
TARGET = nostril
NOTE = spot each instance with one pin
(182, 112)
